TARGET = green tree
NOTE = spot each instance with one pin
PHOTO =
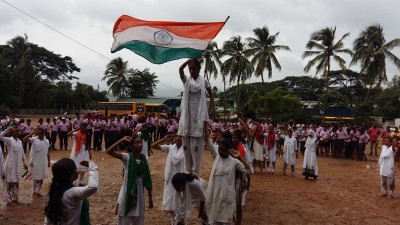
(237, 66)
(348, 83)
(116, 75)
(29, 64)
(280, 102)
(263, 49)
(326, 50)
(141, 84)
(372, 51)
(210, 59)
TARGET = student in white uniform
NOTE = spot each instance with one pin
(68, 205)
(221, 197)
(290, 152)
(39, 158)
(194, 118)
(387, 168)
(79, 151)
(13, 165)
(189, 192)
(175, 163)
(130, 207)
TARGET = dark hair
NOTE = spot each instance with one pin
(195, 62)
(181, 178)
(238, 134)
(226, 143)
(130, 144)
(62, 170)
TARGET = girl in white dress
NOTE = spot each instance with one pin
(67, 204)
(13, 165)
(130, 207)
(79, 150)
(39, 158)
(175, 163)
(310, 165)
(290, 152)
(387, 168)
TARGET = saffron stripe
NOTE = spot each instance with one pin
(185, 29)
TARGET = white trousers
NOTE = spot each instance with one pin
(193, 148)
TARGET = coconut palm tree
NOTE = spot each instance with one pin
(18, 55)
(263, 50)
(326, 49)
(210, 59)
(237, 66)
(371, 51)
(116, 75)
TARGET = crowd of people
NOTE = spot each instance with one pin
(237, 148)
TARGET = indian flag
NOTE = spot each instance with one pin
(26, 175)
(234, 117)
(163, 41)
(248, 121)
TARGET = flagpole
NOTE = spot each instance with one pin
(227, 18)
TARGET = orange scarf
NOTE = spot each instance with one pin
(241, 150)
(259, 134)
(271, 140)
(80, 139)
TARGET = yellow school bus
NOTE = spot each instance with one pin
(122, 108)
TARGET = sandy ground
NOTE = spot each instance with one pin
(347, 192)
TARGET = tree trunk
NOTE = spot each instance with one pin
(368, 93)
(262, 78)
(238, 96)
(224, 98)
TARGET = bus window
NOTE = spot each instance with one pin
(139, 107)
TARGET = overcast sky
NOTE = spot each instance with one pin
(90, 22)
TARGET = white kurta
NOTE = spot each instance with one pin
(38, 157)
(189, 198)
(15, 158)
(289, 150)
(310, 156)
(175, 163)
(1, 163)
(386, 161)
(82, 156)
(272, 152)
(72, 198)
(221, 197)
(258, 151)
(138, 210)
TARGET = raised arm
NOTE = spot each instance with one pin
(72, 131)
(246, 129)
(181, 71)
(157, 144)
(26, 138)
(91, 188)
(211, 148)
(111, 150)
(2, 134)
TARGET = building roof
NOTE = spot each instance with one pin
(172, 102)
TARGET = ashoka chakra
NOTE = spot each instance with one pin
(162, 37)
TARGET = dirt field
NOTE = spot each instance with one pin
(347, 192)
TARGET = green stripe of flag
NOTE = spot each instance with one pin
(157, 54)
(24, 174)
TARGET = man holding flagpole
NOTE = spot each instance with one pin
(194, 115)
